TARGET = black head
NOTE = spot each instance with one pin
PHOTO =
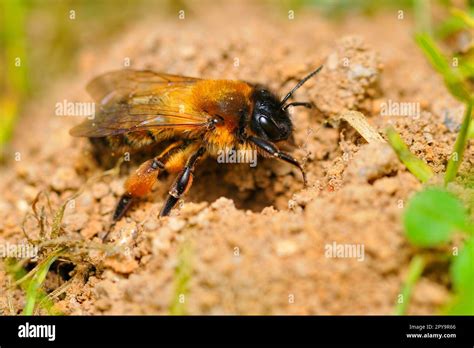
(270, 118)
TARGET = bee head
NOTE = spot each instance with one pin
(270, 119)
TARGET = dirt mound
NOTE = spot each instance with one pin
(246, 240)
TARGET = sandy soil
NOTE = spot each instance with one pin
(246, 241)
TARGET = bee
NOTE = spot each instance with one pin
(198, 117)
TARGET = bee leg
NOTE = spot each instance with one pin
(182, 183)
(142, 181)
(138, 184)
(122, 206)
(272, 150)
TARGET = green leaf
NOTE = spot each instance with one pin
(462, 268)
(431, 216)
(462, 304)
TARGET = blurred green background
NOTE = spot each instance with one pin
(40, 40)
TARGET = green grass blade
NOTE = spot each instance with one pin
(181, 280)
(470, 133)
(448, 27)
(453, 78)
(459, 146)
(464, 16)
(422, 11)
(8, 114)
(433, 54)
(417, 265)
(34, 288)
(466, 67)
(415, 165)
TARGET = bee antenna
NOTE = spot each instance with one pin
(305, 104)
(299, 84)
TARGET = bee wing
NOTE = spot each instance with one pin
(116, 85)
(131, 100)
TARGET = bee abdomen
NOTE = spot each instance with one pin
(107, 149)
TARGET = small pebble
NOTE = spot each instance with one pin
(92, 229)
(76, 222)
(107, 204)
(151, 224)
(123, 265)
(100, 190)
(176, 224)
(65, 179)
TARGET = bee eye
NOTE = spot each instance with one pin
(269, 127)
